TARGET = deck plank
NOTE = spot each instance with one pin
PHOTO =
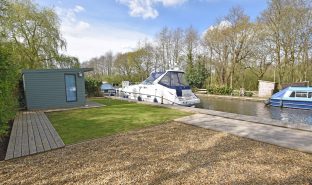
(31, 137)
(43, 136)
(18, 140)
(59, 142)
(39, 145)
(25, 146)
(10, 149)
(47, 131)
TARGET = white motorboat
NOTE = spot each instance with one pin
(168, 87)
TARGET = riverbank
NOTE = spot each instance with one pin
(234, 116)
(243, 98)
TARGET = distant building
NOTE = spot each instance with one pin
(54, 88)
(266, 88)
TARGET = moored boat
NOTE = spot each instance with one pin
(293, 97)
(168, 87)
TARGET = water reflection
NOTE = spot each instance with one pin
(256, 109)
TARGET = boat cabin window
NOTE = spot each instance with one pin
(293, 94)
(165, 80)
(301, 94)
(174, 79)
(182, 79)
(310, 95)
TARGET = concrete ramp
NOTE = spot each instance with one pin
(285, 137)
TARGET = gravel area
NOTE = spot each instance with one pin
(171, 153)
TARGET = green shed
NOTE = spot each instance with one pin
(54, 88)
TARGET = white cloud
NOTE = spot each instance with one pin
(172, 2)
(79, 8)
(100, 39)
(70, 25)
(146, 8)
(86, 40)
(222, 25)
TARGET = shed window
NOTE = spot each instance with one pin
(71, 87)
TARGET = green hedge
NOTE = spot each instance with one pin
(223, 90)
(93, 87)
(8, 90)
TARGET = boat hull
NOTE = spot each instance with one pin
(160, 94)
(291, 104)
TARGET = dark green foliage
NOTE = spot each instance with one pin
(8, 89)
(248, 93)
(21, 94)
(223, 90)
(93, 87)
(197, 74)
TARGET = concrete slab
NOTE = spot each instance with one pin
(285, 137)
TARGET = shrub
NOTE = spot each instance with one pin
(197, 74)
(223, 90)
(93, 87)
(248, 93)
(8, 90)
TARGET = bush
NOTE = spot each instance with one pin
(197, 74)
(8, 90)
(93, 87)
(223, 90)
(248, 93)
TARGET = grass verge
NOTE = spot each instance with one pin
(117, 116)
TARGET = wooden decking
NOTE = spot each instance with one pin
(32, 133)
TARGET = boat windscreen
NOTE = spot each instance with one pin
(106, 86)
(280, 94)
(152, 77)
(178, 79)
(174, 79)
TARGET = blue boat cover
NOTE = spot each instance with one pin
(280, 94)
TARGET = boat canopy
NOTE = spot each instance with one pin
(281, 93)
(153, 76)
(174, 80)
(295, 92)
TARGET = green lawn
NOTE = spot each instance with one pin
(118, 116)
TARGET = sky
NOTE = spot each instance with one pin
(93, 27)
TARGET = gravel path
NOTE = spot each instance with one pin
(171, 153)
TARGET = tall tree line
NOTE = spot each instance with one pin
(235, 52)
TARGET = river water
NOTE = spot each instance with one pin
(256, 109)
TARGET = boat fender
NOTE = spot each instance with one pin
(267, 102)
(139, 98)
